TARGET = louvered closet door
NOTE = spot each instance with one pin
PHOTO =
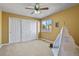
(14, 30)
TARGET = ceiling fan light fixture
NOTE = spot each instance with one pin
(37, 11)
(37, 6)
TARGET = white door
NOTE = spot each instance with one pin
(33, 30)
(14, 30)
(22, 30)
(28, 30)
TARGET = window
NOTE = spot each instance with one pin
(47, 25)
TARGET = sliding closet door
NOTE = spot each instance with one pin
(28, 30)
(25, 30)
(33, 30)
(14, 30)
(22, 30)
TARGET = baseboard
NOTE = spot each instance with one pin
(49, 41)
(1, 45)
(16, 42)
(77, 46)
(5, 44)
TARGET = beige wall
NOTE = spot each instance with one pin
(0, 27)
(69, 18)
(5, 24)
(53, 34)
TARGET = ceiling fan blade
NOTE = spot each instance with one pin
(29, 8)
(46, 8)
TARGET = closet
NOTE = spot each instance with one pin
(28, 30)
(21, 30)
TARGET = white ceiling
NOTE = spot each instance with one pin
(19, 8)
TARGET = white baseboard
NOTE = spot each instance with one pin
(77, 46)
(1, 45)
(5, 44)
(16, 42)
(49, 41)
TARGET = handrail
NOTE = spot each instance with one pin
(64, 43)
(57, 43)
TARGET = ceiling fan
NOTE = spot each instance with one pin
(37, 9)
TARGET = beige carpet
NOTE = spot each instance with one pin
(31, 48)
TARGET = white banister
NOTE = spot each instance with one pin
(57, 43)
(64, 44)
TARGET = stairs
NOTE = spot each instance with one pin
(57, 44)
(64, 44)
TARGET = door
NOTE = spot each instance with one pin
(22, 30)
(14, 30)
(28, 30)
(33, 30)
